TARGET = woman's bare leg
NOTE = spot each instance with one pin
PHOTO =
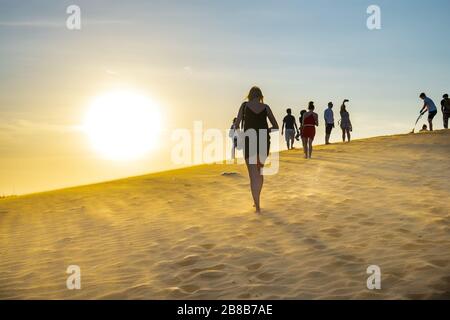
(343, 135)
(348, 135)
(305, 147)
(256, 183)
(310, 147)
(261, 183)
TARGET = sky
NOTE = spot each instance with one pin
(198, 59)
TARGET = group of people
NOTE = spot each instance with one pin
(428, 105)
(308, 121)
(254, 113)
(252, 118)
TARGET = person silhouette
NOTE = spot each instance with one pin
(445, 107)
(429, 105)
(345, 122)
(300, 123)
(233, 136)
(329, 122)
(290, 125)
(309, 122)
(253, 115)
(424, 128)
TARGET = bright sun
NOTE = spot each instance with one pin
(123, 125)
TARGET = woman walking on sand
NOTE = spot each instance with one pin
(253, 115)
(300, 124)
(309, 122)
(346, 124)
(233, 136)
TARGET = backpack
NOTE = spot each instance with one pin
(239, 134)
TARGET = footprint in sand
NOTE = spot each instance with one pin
(310, 241)
(315, 274)
(211, 274)
(189, 288)
(192, 229)
(208, 246)
(265, 276)
(349, 258)
(219, 266)
(332, 232)
(402, 230)
(320, 247)
(188, 260)
(254, 266)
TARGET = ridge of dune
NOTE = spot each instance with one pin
(191, 233)
(175, 170)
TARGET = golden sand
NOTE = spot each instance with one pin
(192, 233)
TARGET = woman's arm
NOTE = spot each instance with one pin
(272, 119)
(239, 117)
(316, 117)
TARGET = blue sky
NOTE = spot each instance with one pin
(199, 58)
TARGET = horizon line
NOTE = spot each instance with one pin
(222, 162)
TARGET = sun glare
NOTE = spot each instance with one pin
(123, 125)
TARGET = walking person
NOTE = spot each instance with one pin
(309, 123)
(329, 122)
(445, 107)
(290, 125)
(253, 116)
(429, 105)
(300, 133)
(233, 135)
(345, 122)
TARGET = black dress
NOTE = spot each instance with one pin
(257, 122)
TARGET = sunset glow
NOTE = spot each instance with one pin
(122, 125)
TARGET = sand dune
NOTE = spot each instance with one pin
(192, 233)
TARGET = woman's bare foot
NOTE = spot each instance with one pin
(257, 209)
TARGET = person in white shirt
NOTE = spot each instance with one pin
(429, 105)
(329, 122)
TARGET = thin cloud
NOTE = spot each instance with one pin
(188, 69)
(33, 24)
(26, 126)
(57, 24)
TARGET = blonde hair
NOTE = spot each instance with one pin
(255, 93)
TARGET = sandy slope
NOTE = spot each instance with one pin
(191, 233)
